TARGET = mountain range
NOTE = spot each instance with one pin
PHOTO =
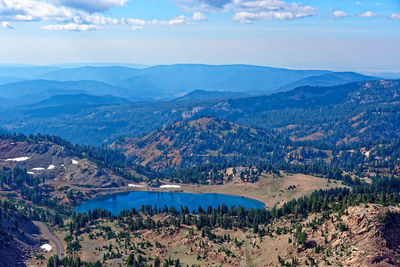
(337, 114)
(96, 112)
(19, 84)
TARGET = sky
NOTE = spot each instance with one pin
(304, 34)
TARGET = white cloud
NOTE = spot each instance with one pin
(83, 15)
(7, 25)
(138, 24)
(395, 16)
(93, 5)
(339, 14)
(368, 14)
(71, 27)
(247, 11)
(132, 21)
(75, 18)
(203, 5)
(96, 19)
(179, 20)
(31, 10)
(251, 10)
(198, 16)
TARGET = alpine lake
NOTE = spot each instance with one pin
(126, 201)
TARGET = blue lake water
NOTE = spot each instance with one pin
(119, 202)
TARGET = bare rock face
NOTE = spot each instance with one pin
(362, 236)
(375, 231)
(54, 162)
(86, 172)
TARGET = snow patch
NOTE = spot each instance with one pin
(31, 173)
(51, 167)
(75, 162)
(38, 169)
(170, 186)
(46, 247)
(18, 159)
(135, 185)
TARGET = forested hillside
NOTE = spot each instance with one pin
(190, 143)
(353, 112)
(223, 144)
(362, 111)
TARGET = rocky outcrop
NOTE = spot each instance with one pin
(50, 161)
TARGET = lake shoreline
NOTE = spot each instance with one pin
(268, 190)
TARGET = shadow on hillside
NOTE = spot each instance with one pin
(24, 243)
(391, 232)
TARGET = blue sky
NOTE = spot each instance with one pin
(338, 35)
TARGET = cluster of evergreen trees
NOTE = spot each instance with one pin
(54, 216)
(384, 191)
(54, 261)
(28, 186)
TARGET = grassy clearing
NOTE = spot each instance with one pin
(268, 189)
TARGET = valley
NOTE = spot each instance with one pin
(199, 133)
(73, 184)
(323, 158)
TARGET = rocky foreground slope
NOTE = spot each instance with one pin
(366, 235)
(20, 239)
(357, 236)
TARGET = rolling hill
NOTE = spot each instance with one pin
(106, 74)
(172, 80)
(28, 92)
(9, 79)
(25, 71)
(83, 99)
(190, 143)
(328, 79)
(208, 95)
